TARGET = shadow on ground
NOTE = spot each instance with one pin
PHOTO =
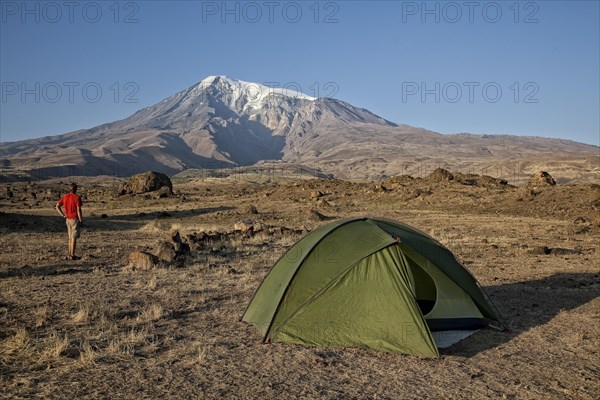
(15, 222)
(149, 216)
(66, 268)
(528, 304)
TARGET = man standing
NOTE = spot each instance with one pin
(72, 203)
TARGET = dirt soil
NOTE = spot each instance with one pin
(96, 328)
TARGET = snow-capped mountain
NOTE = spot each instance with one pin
(222, 121)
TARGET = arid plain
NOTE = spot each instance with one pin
(101, 328)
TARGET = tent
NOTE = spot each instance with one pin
(369, 282)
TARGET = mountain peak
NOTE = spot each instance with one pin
(216, 78)
(256, 92)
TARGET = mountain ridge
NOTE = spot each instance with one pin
(227, 122)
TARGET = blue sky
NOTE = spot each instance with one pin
(527, 68)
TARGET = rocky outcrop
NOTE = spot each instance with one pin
(140, 260)
(541, 179)
(440, 175)
(145, 183)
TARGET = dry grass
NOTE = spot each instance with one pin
(120, 347)
(151, 313)
(82, 315)
(55, 346)
(175, 332)
(124, 343)
(41, 316)
(202, 355)
(199, 228)
(16, 346)
(127, 342)
(152, 283)
(87, 354)
(152, 227)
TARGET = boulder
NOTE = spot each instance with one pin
(181, 249)
(316, 216)
(142, 260)
(176, 237)
(440, 175)
(166, 251)
(540, 179)
(145, 183)
(540, 250)
(163, 192)
(173, 249)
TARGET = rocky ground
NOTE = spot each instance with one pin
(165, 324)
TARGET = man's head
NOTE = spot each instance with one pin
(73, 187)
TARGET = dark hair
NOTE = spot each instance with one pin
(73, 187)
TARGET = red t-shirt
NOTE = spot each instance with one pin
(71, 202)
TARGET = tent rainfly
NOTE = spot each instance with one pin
(372, 283)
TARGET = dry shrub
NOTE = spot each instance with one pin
(55, 347)
(125, 343)
(136, 336)
(103, 331)
(82, 315)
(259, 238)
(41, 316)
(151, 344)
(16, 346)
(151, 313)
(199, 350)
(87, 354)
(120, 347)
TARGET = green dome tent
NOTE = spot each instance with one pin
(368, 282)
